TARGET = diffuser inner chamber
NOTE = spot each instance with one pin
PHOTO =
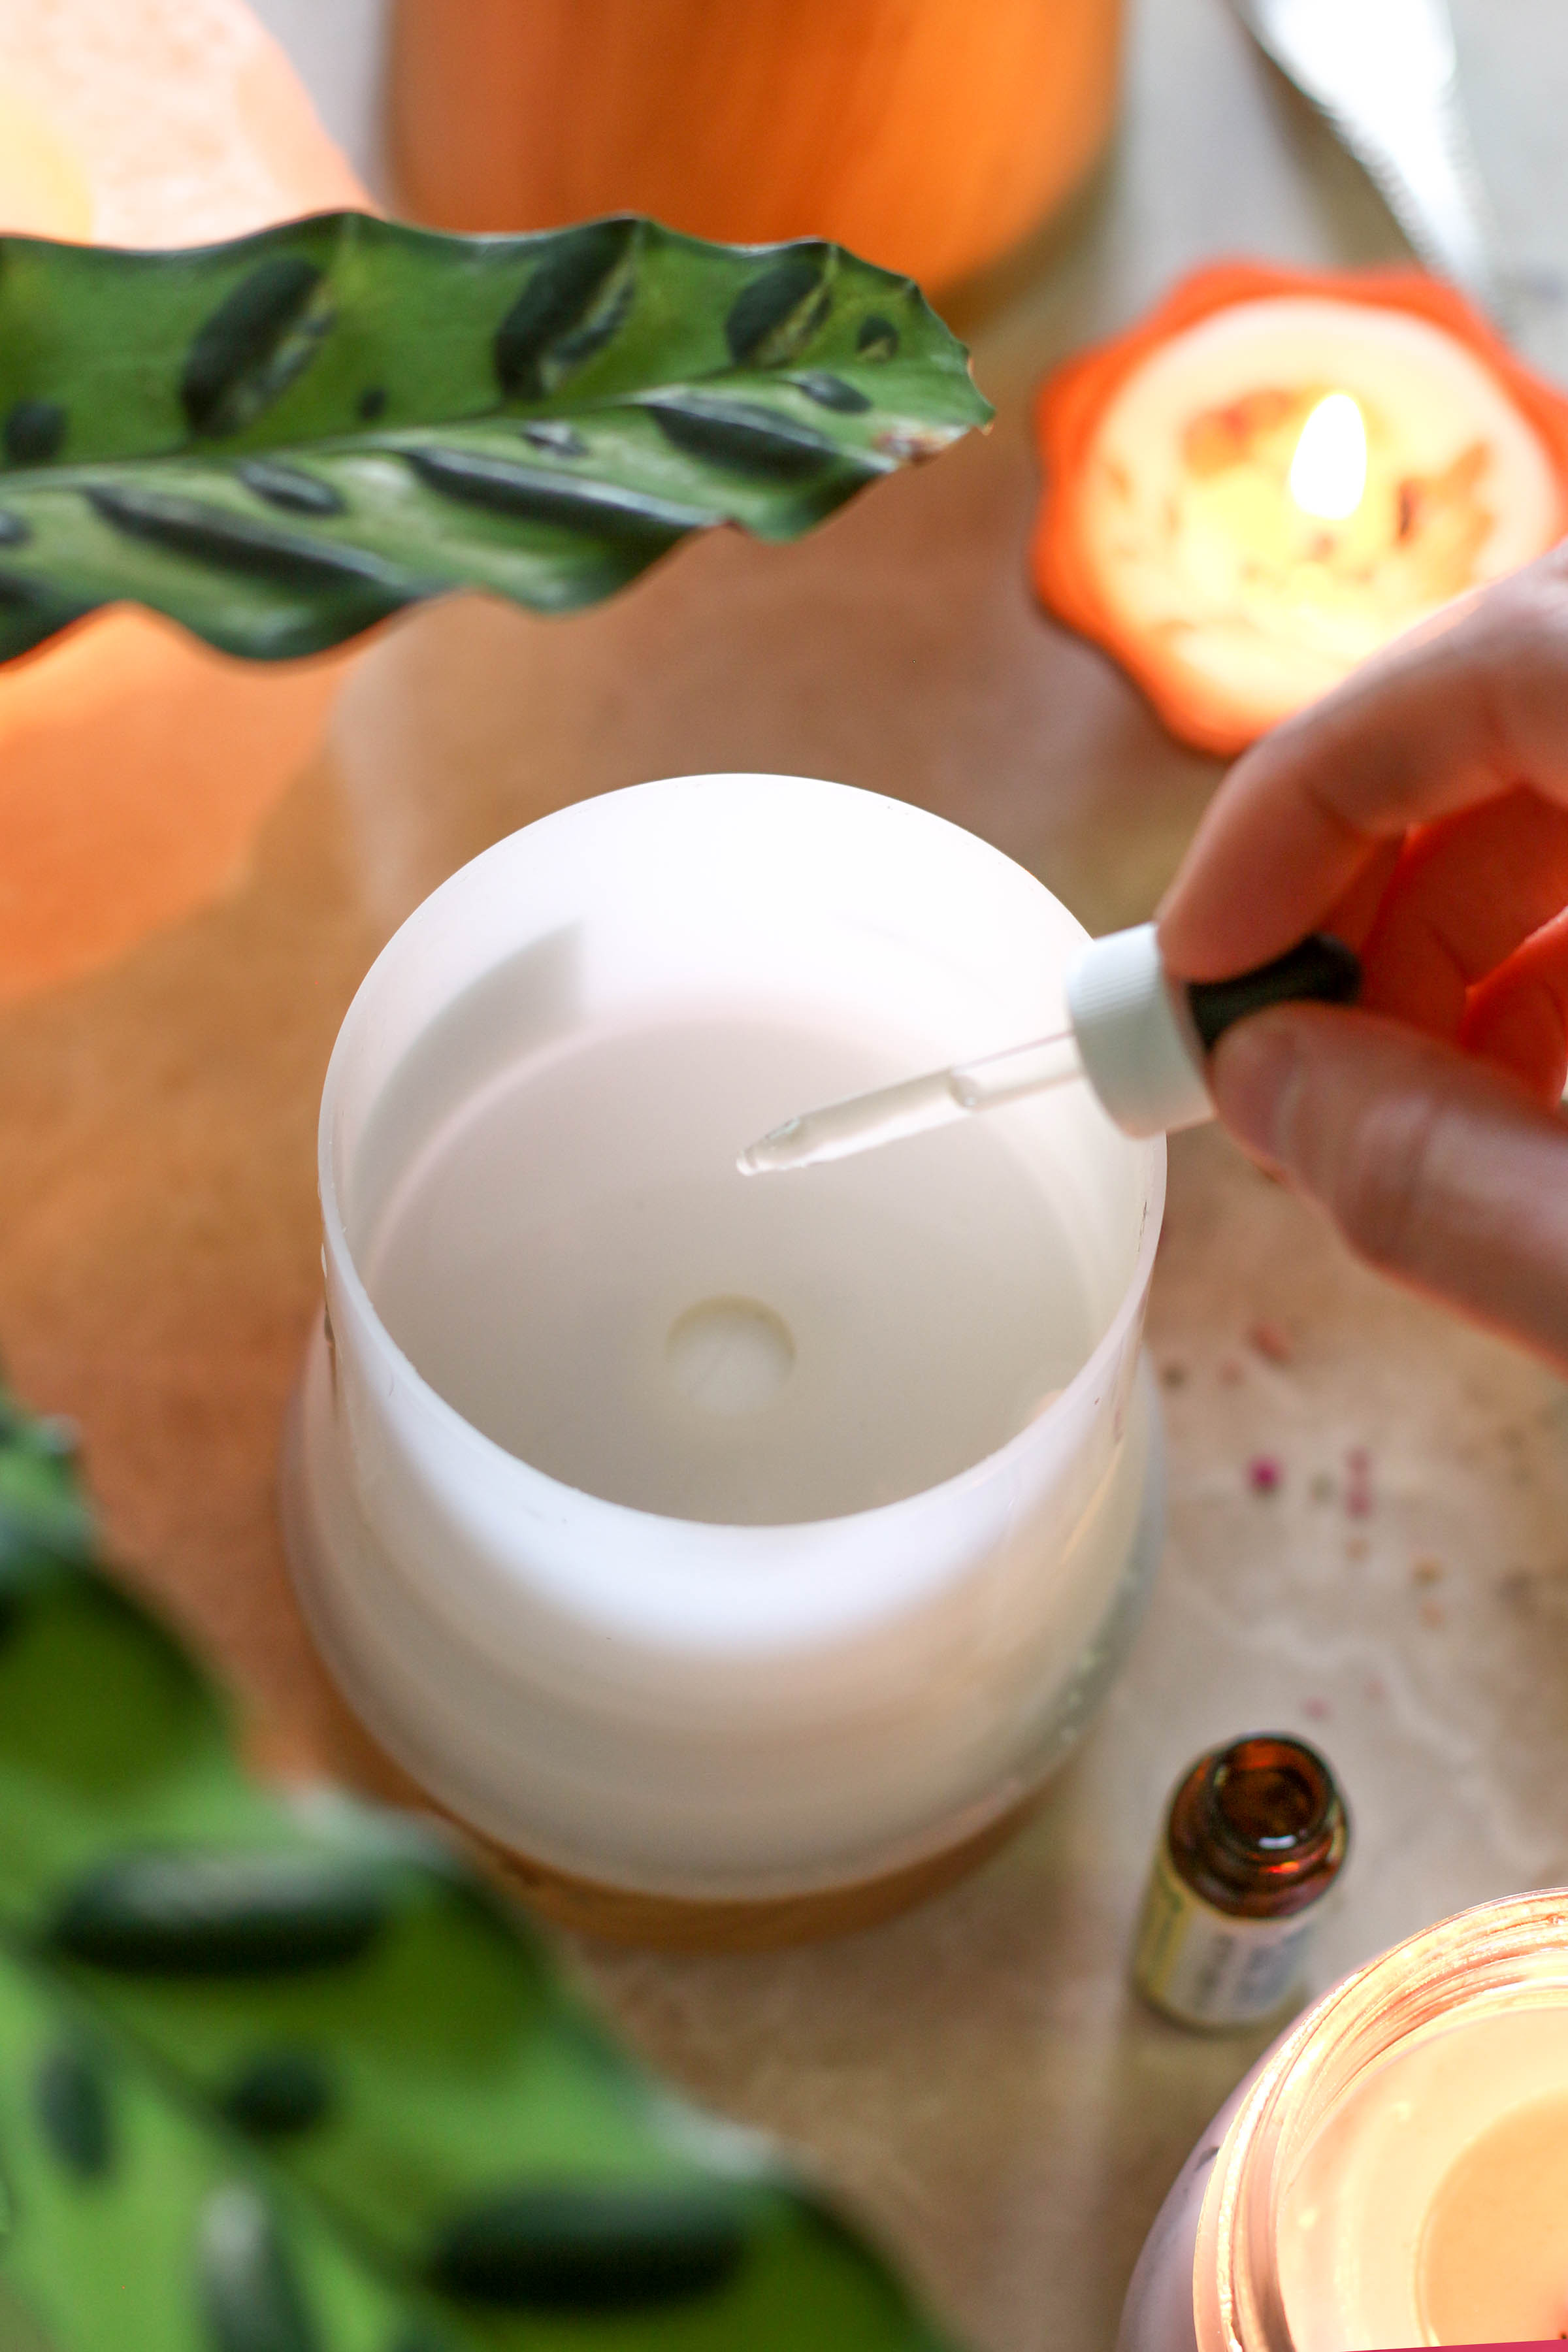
(572, 1260)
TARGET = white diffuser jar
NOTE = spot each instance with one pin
(698, 1538)
(1395, 2169)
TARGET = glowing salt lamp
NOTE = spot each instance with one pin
(136, 767)
(1276, 473)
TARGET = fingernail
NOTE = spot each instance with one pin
(1256, 1068)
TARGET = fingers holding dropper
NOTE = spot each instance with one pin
(1465, 895)
(1439, 1169)
(1308, 824)
(1518, 1018)
(1421, 814)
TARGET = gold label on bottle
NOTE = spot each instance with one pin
(1204, 1966)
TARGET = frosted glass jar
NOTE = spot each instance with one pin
(1333, 2203)
(704, 1539)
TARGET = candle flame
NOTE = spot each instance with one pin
(1328, 472)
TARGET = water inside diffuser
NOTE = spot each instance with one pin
(574, 1262)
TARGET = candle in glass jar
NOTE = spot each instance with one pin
(1394, 2171)
(1432, 2207)
(1277, 475)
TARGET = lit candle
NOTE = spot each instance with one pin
(1395, 2170)
(1432, 2207)
(1276, 474)
(135, 766)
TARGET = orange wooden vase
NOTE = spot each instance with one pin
(928, 135)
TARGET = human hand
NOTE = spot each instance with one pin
(1421, 813)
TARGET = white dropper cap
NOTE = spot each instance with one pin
(1136, 1037)
(1144, 1039)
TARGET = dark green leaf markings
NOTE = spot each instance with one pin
(251, 348)
(832, 392)
(773, 319)
(591, 2247)
(279, 2094)
(305, 581)
(216, 535)
(221, 1914)
(577, 297)
(34, 432)
(534, 495)
(280, 441)
(561, 440)
(742, 435)
(250, 2295)
(71, 2101)
(290, 486)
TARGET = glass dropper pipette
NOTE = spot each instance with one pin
(839, 1130)
(1141, 1039)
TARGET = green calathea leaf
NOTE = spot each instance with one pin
(280, 441)
(291, 2077)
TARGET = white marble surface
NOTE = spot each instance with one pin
(976, 2076)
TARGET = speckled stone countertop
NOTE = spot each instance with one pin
(975, 2076)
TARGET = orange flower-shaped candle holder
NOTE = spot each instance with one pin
(1278, 471)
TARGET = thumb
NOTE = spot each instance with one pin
(1436, 1167)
